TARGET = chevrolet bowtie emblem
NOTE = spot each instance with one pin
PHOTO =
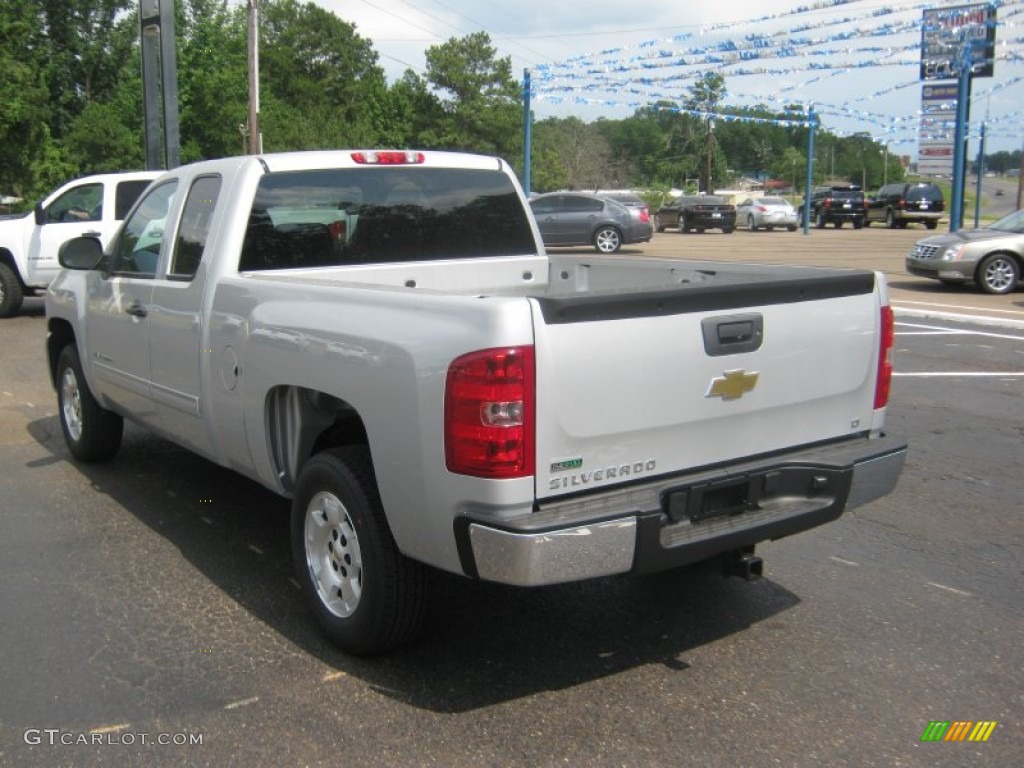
(732, 385)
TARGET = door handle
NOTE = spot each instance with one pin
(94, 233)
(137, 310)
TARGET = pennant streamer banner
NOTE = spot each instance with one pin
(805, 49)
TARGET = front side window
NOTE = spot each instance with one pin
(137, 250)
(328, 217)
(82, 203)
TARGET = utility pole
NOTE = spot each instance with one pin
(255, 137)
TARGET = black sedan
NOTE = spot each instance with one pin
(698, 213)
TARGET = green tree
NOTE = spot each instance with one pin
(480, 100)
(318, 78)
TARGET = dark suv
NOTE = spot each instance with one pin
(836, 205)
(899, 204)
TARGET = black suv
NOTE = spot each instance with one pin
(899, 204)
(836, 205)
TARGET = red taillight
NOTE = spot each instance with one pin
(645, 216)
(389, 157)
(762, 209)
(489, 413)
(888, 339)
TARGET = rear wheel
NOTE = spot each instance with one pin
(890, 219)
(858, 224)
(367, 596)
(11, 294)
(998, 273)
(607, 240)
(820, 222)
(931, 224)
(91, 432)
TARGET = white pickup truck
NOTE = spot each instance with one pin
(92, 205)
(381, 337)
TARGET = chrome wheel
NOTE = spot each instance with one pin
(71, 404)
(332, 554)
(998, 274)
(607, 240)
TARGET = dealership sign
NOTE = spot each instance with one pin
(961, 34)
(936, 134)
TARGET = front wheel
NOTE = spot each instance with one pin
(11, 294)
(751, 225)
(367, 596)
(931, 224)
(91, 432)
(998, 274)
(607, 240)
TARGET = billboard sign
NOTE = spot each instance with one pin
(947, 34)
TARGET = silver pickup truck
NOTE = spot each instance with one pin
(381, 337)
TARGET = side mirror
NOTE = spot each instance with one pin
(80, 253)
(40, 213)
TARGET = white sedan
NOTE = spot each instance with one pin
(767, 212)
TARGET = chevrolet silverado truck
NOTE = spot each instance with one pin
(380, 337)
(93, 205)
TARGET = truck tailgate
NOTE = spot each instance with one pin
(632, 386)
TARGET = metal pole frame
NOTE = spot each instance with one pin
(809, 180)
(527, 138)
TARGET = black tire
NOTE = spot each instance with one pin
(931, 224)
(820, 219)
(91, 432)
(728, 230)
(11, 293)
(838, 223)
(607, 240)
(750, 224)
(890, 219)
(791, 228)
(658, 226)
(998, 274)
(367, 596)
(857, 223)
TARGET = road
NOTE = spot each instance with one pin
(152, 599)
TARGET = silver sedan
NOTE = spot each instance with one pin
(993, 258)
(767, 212)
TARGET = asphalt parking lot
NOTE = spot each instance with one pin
(148, 614)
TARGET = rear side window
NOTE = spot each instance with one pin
(575, 204)
(383, 214)
(195, 227)
(125, 195)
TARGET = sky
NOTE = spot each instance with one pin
(606, 58)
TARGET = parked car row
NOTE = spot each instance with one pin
(895, 205)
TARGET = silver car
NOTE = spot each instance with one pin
(993, 257)
(579, 218)
(767, 212)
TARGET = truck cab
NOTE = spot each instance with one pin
(91, 206)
